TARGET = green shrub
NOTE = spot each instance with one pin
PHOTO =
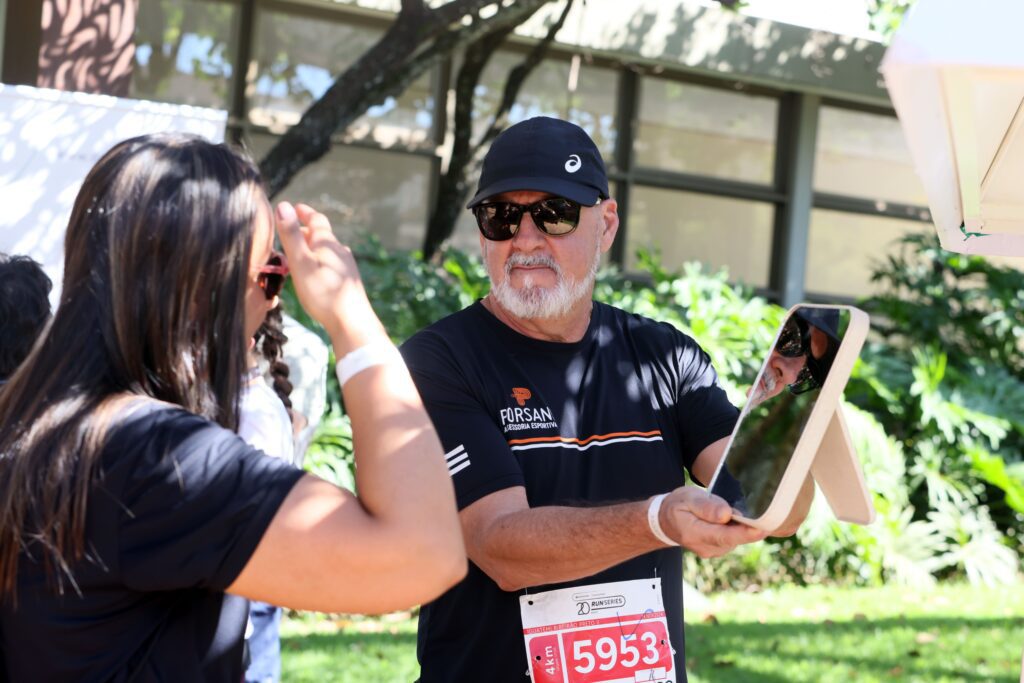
(946, 378)
(935, 405)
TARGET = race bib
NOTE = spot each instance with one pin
(606, 633)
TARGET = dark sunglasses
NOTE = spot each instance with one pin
(794, 342)
(795, 339)
(271, 276)
(499, 221)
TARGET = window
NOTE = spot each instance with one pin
(184, 50)
(864, 155)
(719, 232)
(844, 248)
(364, 191)
(548, 92)
(298, 57)
(706, 131)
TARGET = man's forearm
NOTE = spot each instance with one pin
(551, 544)
(520, 546)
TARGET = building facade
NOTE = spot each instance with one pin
(764, 148)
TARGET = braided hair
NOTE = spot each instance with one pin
(270, 339)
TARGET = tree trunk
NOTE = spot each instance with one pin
(452, 188)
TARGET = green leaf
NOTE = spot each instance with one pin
(993, 470)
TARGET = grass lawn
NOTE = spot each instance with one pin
(323, 649)
(940, 635)
(951, 633)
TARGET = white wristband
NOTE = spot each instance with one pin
(652, 520)
(364, 357)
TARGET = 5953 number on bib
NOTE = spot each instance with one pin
(606, 633)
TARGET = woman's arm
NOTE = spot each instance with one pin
(399, 543)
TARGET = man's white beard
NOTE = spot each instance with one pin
(764, 389)
(531, 302)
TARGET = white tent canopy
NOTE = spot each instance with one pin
(955, 73)
(50, 139)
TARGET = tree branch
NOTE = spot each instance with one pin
(453, 187)
(478, 55)
(454, 11)
(412, 7)
(518, 76)
(385, 69)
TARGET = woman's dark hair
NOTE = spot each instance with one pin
(270, 340)
(24, 309)
(156, 265)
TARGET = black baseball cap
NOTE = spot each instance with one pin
(544, 155)
(825, 319)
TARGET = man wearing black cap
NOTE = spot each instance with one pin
(803, 355)
(567, 426)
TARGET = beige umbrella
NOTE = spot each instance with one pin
(955, 73)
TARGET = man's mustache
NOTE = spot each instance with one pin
(526, 260)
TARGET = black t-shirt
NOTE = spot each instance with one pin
(614, 417)
(180, 508)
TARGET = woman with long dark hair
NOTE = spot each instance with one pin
(131, 517)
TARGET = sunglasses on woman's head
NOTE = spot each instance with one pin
(499, 221)
(271, 276)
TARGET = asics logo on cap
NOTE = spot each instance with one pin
(573, 164)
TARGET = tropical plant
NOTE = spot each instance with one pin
(945, 378)
(330, 455)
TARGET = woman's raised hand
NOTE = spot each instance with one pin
(326, 277)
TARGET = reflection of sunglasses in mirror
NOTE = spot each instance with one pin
(795, 341)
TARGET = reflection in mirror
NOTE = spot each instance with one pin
(778, 406)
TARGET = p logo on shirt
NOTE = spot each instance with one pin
(521, 395)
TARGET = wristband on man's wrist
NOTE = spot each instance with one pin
(653, 521)
(364, 357)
